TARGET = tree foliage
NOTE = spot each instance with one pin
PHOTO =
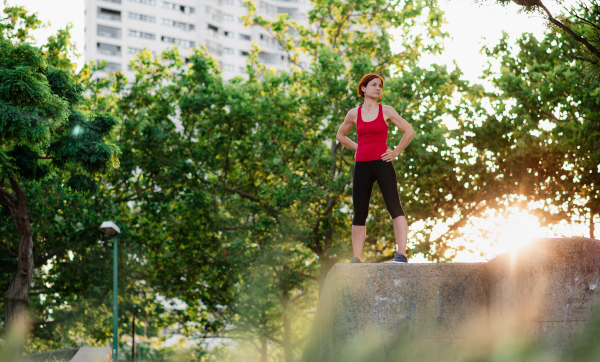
(43, 136)
(235, 199)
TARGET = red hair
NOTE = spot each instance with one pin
(365, 80)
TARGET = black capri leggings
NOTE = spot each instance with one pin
(365, 174)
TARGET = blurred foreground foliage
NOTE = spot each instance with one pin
(235, 200)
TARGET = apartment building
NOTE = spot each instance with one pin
(118, 29)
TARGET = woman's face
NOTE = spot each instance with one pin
(373, 89)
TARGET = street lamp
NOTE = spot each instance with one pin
(109, 229)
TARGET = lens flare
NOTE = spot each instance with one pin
(517, 231)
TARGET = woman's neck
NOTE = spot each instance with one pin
(369, 103)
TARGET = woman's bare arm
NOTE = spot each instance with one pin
(403, 126)
(346, 126)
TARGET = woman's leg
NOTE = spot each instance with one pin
(359, 233)
(388, 184)
(401, 233)
(362, 185)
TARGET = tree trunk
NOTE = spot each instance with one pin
(592, 225)
(326, 265)
(287, 329)
(264, 349)
(133, 336)
(17, 295)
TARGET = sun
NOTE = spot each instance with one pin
(496, 232)
(518, 230)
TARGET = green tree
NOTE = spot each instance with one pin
(243, 199)
(536, 139)
(582, 23)
(244, 205)
(42, 134)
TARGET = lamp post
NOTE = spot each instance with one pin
(110, 228)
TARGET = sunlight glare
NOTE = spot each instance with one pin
(517, 231)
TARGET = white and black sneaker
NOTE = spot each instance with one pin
(355, 260)
(399, 258)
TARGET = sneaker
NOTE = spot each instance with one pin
(399, 258)
(355, 260)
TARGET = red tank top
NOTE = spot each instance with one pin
(372, 137)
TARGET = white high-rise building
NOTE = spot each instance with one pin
(118, 29)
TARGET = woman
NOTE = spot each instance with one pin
(374, 162)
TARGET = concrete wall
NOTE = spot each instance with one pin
(391, 312)
(549, 286)
(93, 354)
(63, 355)
(82, 354)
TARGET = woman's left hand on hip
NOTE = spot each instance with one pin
(389, 156)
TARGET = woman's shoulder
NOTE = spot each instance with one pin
(387, 109)
(353, 112)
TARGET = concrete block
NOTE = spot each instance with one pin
(63, 355)
(93, 354)
(377, 312)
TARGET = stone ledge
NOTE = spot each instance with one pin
(93, 354)
(369, 311)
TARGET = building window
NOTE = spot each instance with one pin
(180, 42)
(213, 31)
(141, 34)
(213, 14)
(178, 24)
(214, 48)
(146, 2)
(183, 8)
(142, 17)
(293, 12)
(228, 68)
(244, 53)
(113, 1)
(245, 37)
(109, 31)
(267, 9)
(228, 34)
(228, 51)
(109, 14)
(269, 42)
(242, 69)
(109, 49)
(227, 17)
(132, 50)
(267, 58)
(112, 67)
(228, 2)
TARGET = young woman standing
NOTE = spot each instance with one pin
(374, 162)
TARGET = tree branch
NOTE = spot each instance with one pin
(126, 199)
(41, 261)
(244, 195)
(297, 297)
(44, 219)
(311, 277)
(583, 41)
(232, 190)
(248, 319)
(21, 198)
(7, 194)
